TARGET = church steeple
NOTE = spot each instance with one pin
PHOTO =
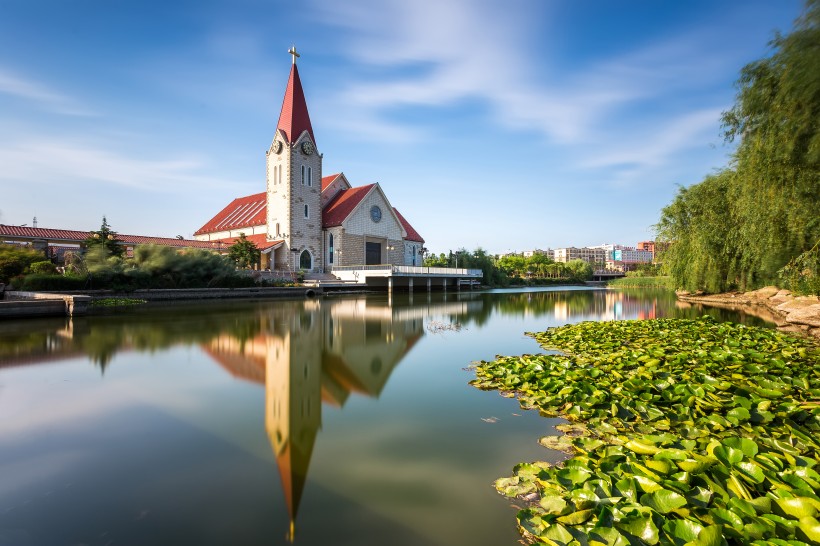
(294, 118)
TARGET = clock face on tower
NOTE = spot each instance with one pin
(277, 147)
(307, 147)
(375, 213)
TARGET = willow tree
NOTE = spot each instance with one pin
(738, 228)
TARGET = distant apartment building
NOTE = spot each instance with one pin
(548, 253)
(653, 247)
(632, 256)
(626, 259)
(646, 245)
(593, 255)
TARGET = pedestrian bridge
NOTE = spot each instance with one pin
(408, 277)
(607, 275)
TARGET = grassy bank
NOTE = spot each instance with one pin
(686, 432)
(642, 282)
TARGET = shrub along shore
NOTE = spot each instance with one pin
(692, 433)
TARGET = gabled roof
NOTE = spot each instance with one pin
(294, 118)
(412, 234)
(343, 204)
(241, 212)
(328, 180)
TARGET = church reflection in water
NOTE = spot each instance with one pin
(317, 353)
(306, 353)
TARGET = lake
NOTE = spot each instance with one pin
(338, 420)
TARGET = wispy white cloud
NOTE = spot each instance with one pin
(650, 148)
(40, 94)
(473, 50)
(47, 160)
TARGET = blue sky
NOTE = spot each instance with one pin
(509, 125)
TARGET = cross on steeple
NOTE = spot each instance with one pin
(292, 51)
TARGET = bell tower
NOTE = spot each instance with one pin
(294, 183)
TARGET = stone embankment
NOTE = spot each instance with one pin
(797, 314)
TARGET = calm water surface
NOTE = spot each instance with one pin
(351, 417)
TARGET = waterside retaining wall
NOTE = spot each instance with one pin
(18, 304)
(796, 314)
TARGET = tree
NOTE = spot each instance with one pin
(436, 261)
(244, 252)
(578, 270)
(538, 264)
(104, 242)
(513, 265)
(739, 227)
(15, 259)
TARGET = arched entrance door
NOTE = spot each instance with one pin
(305, 260)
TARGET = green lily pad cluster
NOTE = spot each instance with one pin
(117, 302)
(695, 433)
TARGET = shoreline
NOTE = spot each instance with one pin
(792, 314)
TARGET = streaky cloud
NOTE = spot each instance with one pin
(16, 86)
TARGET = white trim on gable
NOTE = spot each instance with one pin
(364, 199)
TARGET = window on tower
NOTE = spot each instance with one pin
(310, 176)
(303, 175)
(306, 212)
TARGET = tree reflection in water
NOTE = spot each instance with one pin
(313, 352)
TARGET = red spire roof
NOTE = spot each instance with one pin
(294, 117)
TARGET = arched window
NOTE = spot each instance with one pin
(279, 168)
(330, 246)
(310, 176)
(303, 175)
(305, 260)
(306, 212)
(277, 229)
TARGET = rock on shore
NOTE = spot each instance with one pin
(798, 314)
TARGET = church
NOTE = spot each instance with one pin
(310, 222)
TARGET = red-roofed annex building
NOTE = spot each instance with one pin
(308, 221)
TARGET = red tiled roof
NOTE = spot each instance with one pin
(164, 241)
(412, 234)
(44, 233)
(241, 212)
(259, 239)
(328, 180)
(294, 117)
(74, 236)
(343, 204)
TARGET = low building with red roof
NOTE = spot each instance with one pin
(308, 221)
(56, 241)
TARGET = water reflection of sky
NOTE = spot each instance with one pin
(216, 424)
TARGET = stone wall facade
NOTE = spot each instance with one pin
(294, 184)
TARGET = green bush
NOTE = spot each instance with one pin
(15, 259)
(44, 267)
(642, 282)
(802, 274)
(50, 282)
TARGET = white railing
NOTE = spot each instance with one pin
(378, 267)
(412, 270)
